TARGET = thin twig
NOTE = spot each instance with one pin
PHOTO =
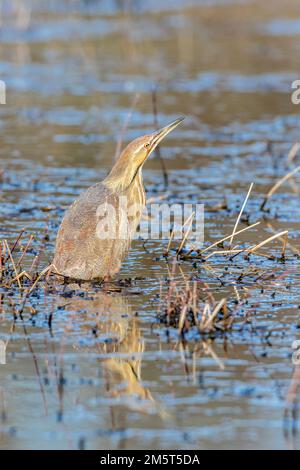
(240, 214)
(268, 240)
(42, 273)
(229, 236)
(293, 152)
(277, 185)
(215, 312)
(13, 264)
(25, 250)
(189, 219)
(16, 242)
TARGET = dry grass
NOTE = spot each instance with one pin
(278, 184)
(288, 177)
(13, 258)
(185, 307)
(189, 306)
(226, 242)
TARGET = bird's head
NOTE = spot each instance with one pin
(135, 154)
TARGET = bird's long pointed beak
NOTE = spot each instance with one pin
(159, 135)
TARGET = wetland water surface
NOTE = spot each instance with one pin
(91, 368)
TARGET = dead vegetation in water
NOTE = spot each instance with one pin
(226, 247)
(13, 257)
(184, 308)
(287, 177)
(193, 306)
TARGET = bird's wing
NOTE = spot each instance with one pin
(87, 245)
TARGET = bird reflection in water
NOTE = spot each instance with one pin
(110, 331)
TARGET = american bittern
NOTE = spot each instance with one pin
(86, 247)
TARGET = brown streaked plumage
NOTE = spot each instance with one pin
(81, 252)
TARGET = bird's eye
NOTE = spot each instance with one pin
(147, 145)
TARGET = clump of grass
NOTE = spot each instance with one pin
(228, 249)
(13, 257)
(187, 307)
(184, 308)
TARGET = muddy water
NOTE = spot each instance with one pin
(87, 368)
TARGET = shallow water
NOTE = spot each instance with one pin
(87, 368)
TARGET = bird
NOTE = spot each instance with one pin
(93, 240)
